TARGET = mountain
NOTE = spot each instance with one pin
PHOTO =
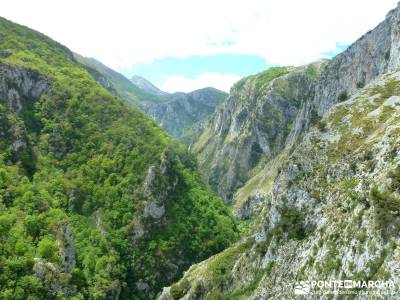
(309, 159)
(96, 201)
(147, 86)
(181, 111)
(177, 113)
(117, 83)
(253, 125)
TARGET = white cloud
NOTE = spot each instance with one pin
(211, 79)
(121, 32)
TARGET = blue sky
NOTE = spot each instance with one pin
(240, 65)
(192, 66)
(183, 45)
(221, 70)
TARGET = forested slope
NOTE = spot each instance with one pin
(96, 201)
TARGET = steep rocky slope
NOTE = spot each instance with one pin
(375, 53)
(326, 204)
(372, 55)
(333, 211)
(254, 124)
(96, 201)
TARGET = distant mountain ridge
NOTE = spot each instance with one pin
(180, 111)
(176, 112)
(147, 86)
(117, 83)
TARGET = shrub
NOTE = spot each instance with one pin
(387, 210)
(47, 249)
(177, 291)
(292, 224)
(387, 55)
(322, 126)
(343, 96)
(394, 175)
(360, 84)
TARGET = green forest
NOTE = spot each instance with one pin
(78, 172)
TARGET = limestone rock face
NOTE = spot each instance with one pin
(254, 124)
(18, 86)
(19, 89)
(156, 189)
(67, 247)
(372, 55)
(53, 279)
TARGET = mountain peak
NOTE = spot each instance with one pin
(147, 86)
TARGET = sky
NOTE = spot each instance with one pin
(182, 45)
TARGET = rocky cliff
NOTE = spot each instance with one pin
(326, 204)
(254, 124)
(375, 53)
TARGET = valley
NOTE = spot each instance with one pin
(111, 188)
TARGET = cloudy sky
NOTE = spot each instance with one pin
(181, 45)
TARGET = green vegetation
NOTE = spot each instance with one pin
(218, 274)
(220, 265)
(360, 84)
(390, 88)
(245, 292)
(177, 291)
(322, 125)
(387, 205)
(394, 175)
(121, 86)
(267, 76)
(292, 224)
(312, 71)
(343, 96)
(82, 164)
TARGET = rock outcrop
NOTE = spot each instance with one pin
(20, 86)
(229, 164)
(67, 246)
